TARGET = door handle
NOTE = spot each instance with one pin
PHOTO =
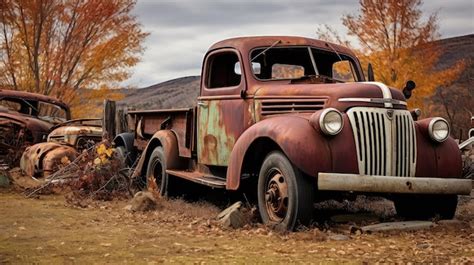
(202, 103)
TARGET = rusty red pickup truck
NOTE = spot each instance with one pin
(293, 121)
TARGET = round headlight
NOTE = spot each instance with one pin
(438, 129)
(331, 121)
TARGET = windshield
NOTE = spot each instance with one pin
(283, 63)
(42, 110)
(51, 112)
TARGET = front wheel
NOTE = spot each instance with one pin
(285, 195)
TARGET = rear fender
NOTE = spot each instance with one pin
(166, 139)
(126, 140)
(305, 147)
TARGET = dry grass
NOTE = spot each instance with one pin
(44, 230)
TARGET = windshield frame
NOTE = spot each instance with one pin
(34, 107)
(355, 64)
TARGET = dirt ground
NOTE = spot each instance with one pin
(48, 230)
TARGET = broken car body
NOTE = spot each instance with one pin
(291, 121)
(25, 119)
(65, 142)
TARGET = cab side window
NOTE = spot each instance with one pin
(223, 70)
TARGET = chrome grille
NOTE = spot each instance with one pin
(281, 106)
(385, 145)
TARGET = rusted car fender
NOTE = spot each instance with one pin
(168, 140)
(442, 160)
(305, 147)
(125, 140)
(43, 159)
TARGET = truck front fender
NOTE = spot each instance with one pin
(305, 147)
(166, 139)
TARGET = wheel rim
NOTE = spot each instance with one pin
(157, 173)
(276, 195)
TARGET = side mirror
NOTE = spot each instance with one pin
(410, 85)
(370, 73)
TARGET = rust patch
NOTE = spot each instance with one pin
(41, 160)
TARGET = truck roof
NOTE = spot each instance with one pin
(248, 43)
(5, 93)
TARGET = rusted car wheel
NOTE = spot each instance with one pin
(285, 195)
(157, 169)
(426, 206)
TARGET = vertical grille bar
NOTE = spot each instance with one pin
(407, 147)
(364, 142)
(384, 146)
(376, 145)
(371, 144)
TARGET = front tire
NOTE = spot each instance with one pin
(426, 206)
(285, 194)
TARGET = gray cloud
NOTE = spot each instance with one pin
(182, 31)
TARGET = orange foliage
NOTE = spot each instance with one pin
(64, 48)
(89, 102)
(399, 45)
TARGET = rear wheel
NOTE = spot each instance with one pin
(125, 156)
(426, 206)
(157, 170)
(285, 195)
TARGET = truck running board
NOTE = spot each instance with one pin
(199, 177)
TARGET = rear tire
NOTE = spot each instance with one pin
(285, 195)
(157, 169)
(425, 207)
(125, 155)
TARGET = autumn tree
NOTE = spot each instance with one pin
(393, 37)
(63, 47)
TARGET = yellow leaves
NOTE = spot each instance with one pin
(65, 161)
(104, 154)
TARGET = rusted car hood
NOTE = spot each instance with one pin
(70, 133)
(28, 121)
(77, 130)
(341, 96)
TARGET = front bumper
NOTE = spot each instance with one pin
(391, 184)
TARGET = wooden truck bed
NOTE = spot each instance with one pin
(180, 121)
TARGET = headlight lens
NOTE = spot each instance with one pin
(331, 121)
(438, 129)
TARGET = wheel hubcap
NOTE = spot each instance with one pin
(276, 197)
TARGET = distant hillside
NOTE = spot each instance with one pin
(455, 49)
(177, 93)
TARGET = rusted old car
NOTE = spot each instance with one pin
(25, 119)
(293, 121)
(65, 142)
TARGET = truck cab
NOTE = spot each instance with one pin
(295, 120)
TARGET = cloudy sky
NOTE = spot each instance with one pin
(182, 31)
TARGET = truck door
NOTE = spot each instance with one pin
(221, 109)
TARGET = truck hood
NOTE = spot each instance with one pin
(341, 96)
(77, 130)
